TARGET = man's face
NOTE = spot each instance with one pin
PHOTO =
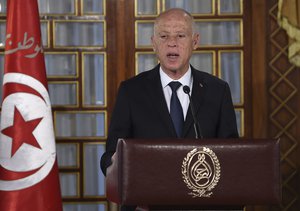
(173, 42)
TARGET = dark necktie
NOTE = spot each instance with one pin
(176, 109)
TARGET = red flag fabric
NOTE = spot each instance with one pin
(28, 168)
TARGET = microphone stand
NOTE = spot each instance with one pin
(198, 133)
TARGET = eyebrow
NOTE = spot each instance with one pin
(172, 32)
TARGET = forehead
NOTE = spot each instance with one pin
(175, 21)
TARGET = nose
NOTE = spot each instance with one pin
(172, 41)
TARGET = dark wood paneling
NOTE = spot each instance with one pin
(258, 85)
(283, 84)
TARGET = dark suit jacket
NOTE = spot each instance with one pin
(141, 111)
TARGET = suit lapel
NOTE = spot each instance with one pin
(155, 93)
(198, 93)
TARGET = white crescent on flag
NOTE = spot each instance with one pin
(26, 157)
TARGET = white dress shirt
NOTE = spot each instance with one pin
(185, 80)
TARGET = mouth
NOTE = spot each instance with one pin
(172, 55)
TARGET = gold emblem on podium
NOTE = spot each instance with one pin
(201, 171)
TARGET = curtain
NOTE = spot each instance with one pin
(289, 19)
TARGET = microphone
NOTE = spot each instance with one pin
(197, 129)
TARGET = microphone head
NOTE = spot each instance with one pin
(186, 89)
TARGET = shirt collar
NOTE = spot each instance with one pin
(186, 79)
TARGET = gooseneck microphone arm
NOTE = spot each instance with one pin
(197, 128)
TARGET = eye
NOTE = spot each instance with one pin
(163, 37)
(181, 35)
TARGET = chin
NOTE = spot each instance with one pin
(172, 68)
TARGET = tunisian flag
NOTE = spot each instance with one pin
(28, 168)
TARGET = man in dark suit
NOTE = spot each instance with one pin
(143, 104)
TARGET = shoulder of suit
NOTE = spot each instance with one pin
(207, 78)
(148, 74)
(141, 80)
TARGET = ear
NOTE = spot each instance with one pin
(196, 40)
(153, 43)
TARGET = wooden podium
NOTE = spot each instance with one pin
(190, 173)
